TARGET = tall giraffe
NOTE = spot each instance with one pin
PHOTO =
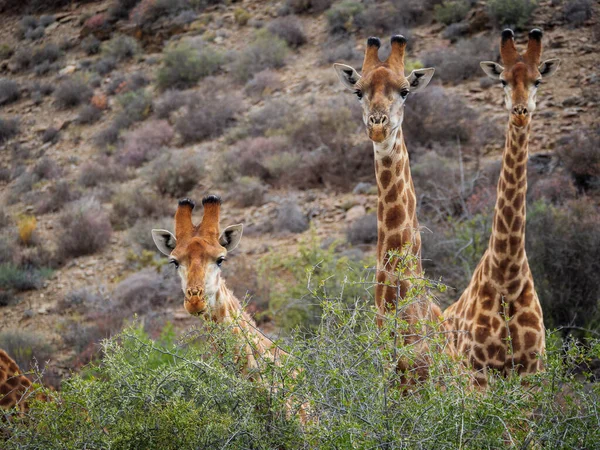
(382, 91)
(498, 317)
(198, 253)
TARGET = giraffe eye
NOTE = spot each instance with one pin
(358, 94)
(504, 84)
(537, 83)
(220, 260)
(404, 93)
(174, 262)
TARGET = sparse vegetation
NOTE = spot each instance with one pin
(121, 48)
(9, 91)
(72, 92)
(175, 173)
(8, 128)
(579, 153)
(145, 143)
(28, 348)
(449, 12)
(363, 230)
(91, 45)
(84, 228)
(288, 28)
(576, 12)
(201, 119)
(266, 51)
(89, 114)
(185, 64)
(511, 13)
(130, 206)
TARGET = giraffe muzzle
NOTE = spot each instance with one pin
(520, 110)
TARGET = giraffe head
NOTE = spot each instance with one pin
(197, 252)
(521, 74)
(382, 89)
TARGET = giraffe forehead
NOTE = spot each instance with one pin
(383, 80)
(521, 73)
(199, 248)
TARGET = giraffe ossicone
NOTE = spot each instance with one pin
(499, 317)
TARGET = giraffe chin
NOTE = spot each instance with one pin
(195, 306)
(377, 134)
(520, 120)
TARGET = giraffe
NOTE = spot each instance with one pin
(197, 252)
(382, 91)
(15, 388)
(498, 317)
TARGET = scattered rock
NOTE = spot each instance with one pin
(68, 70)
(362, 188)
(572, 101)
(355, 212)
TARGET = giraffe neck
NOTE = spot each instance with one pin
(397, 225)
(397, 222)
(507, 242)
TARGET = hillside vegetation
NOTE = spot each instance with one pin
(112, 110)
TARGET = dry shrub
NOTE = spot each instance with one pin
(188, 62)
(579, 153)
(363, 230)
(129, 206)
(562, 247)
(144, 143)
(169, 102)
(461, 62)
(308, 6)
(263, 84)
(26, 226)
(288, 28)
(175, 173)
(89, 114)
(513, 13)
(104, 170)
(136, 105)
(140, 233)
(291, 218)
(56, 197)
(90, 45)
(28, 348)
(208, 116)
(8, 129)
(266, 51)
(72, 92)
(148, 289)
(577, 12)
(9, 91)
(46, 169)
(248, 191)
(121, 48)
(84, 228)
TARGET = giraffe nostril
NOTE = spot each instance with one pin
(384, 120)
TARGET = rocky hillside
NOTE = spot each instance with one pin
(111, 110)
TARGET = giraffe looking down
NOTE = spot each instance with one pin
(498, 317)
(198, 253)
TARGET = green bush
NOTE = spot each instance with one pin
(341, 15)
(284, 279)
(511, 13)
(450, 12)
(266, 51)
(13, 277)
(169, 394)
(185, 64)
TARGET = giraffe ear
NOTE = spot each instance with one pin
(347, 75)
(420, 78)
(492, 69)
(230, 238)
(164, 240)
(549, 67)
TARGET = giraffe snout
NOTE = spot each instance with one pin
(520, 110)
(378, 119)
